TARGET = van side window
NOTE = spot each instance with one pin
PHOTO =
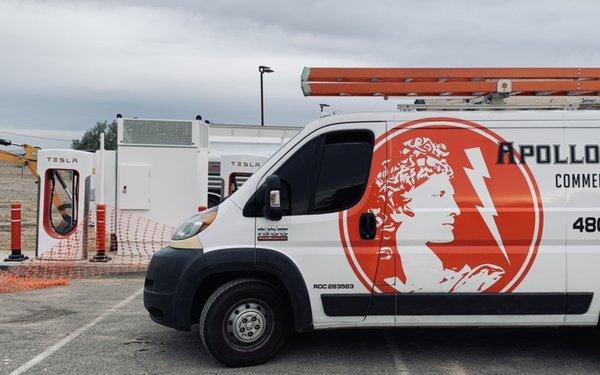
(344, 170)
(328, 174)
(296, 174)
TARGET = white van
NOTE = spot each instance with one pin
(418, 218)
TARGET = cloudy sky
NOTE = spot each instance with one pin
(65, 64)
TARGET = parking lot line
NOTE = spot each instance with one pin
(73, 335)
(399, 364)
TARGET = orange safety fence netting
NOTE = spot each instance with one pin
(134, 238)
(10, 283)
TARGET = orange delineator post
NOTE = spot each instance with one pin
(100, 235)
(448, 81)
(15, 234)
(101, 228)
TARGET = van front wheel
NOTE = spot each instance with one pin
(244, 323)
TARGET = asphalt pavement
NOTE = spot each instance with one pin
(100, 326)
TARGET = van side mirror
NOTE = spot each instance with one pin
(272, 188)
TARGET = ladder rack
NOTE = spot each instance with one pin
(450, 81)
(492, 102)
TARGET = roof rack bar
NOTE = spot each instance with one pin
(495, 102)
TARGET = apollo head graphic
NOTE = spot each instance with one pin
(417, 179)
(449, 219)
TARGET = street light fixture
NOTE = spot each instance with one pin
(263, 69)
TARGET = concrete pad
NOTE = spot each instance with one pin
(5, 253)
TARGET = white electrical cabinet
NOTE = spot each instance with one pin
(161, 168)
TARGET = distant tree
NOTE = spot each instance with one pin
(91, 138)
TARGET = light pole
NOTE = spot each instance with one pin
(263, 69)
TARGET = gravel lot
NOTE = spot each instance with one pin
(123, 340)
(18, 187)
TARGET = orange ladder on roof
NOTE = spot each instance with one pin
(471, 82)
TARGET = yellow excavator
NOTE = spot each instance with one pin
(29, 160)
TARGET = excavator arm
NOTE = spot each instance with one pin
(29, 160)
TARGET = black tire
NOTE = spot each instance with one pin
(228, 337)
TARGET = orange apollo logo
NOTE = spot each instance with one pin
(449, 217)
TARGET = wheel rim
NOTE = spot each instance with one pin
(248, 324)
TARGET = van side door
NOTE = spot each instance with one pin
(323, 231)
(477, 222)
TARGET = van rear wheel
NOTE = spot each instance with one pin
(244, 323)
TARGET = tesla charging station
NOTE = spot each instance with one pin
(63, 204)
(236, 169)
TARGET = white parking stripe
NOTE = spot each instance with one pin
(401, 368)
(71, 336)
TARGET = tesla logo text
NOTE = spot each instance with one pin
(250, 164)
(61, 160)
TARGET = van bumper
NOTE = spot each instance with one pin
(176, 276)
(162, 288)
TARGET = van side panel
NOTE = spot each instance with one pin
(477, 218)
(506, 249)
(581, 181)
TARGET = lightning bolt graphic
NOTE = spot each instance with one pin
(487, 210)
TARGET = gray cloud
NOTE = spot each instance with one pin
(66, 64)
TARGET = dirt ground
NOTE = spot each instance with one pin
(18, 185)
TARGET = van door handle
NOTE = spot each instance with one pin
(367, 226)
